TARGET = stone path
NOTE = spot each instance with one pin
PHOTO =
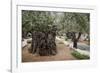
(83, 48)
(64, 53)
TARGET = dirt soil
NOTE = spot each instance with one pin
(63, 53)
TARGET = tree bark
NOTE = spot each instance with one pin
(43, 43)
(79, 35)
(75, 39)
(75, 43)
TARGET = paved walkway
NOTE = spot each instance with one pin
(82, 47)
(64, 53)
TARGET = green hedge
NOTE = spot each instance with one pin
(79, 56)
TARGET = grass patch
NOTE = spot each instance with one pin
(79, 56)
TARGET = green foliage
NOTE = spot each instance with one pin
(36, 20)
(64, 21)
(79, 56)
(77, 22)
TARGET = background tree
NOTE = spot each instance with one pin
(76, 24)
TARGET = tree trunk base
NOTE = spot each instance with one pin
(43, 44)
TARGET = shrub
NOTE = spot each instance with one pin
(79, 56)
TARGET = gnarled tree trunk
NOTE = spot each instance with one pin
(43, 43)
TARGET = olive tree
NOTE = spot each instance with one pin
(41, 25)
(76, 24)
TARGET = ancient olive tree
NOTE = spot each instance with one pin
(40, 24)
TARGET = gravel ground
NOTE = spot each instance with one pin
(63, 53)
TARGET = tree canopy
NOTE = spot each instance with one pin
(64, 21)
